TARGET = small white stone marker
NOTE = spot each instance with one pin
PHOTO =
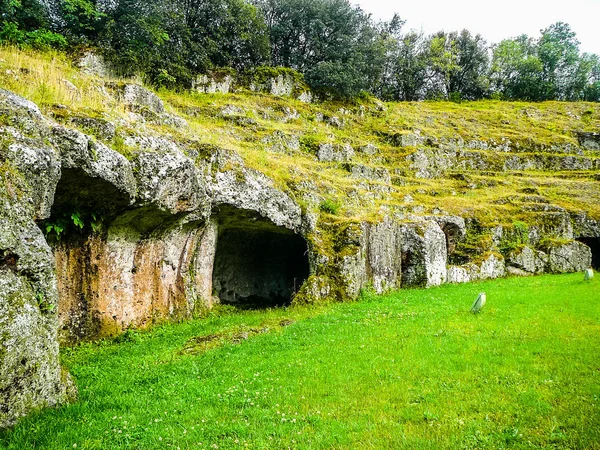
(589, 274)
(479, 303)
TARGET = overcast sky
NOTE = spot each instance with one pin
(494, 20)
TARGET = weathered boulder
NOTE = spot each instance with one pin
(457, 274)
(335, 153)
(585, 226)
(589, 141)
(40, 166)
(280, 142)
(369, 150)
(552, 225)
(230, 182)
(138, 98)
(81, 152)
(94, 64)
(22, 114)
(383, 245)
(492, 267)
(305, 97)
(170, 181)
(210, 84)
(362, 172)
(282, 85)
(30, 372)
(370, 254)
(101, 128)
(454, 228)
(570, 257)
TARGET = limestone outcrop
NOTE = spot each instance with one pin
(30, 373)
(93, 243)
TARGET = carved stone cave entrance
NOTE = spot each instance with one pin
(257, 264)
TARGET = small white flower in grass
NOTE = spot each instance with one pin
(74, 445)
(160, 438)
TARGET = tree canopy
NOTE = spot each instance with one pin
(341, 51)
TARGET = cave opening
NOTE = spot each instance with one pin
(594, 244)
(81, 205)
(257, 264)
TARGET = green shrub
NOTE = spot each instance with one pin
(43, 40)
(329, 207)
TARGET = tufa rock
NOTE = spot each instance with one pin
(138, 98)
(424, 255)
(528, 261)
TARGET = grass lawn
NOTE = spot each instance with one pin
(412, 370)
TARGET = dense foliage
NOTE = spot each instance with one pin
(341, 51)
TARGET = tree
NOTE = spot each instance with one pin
(516, 71)
(334, 44)
(591, 90)
(81, 20)
(459, 63)
(558, 51)
(408, 69)
(229, 32)
(26, 23)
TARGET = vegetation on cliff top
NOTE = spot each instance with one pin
(281, 137)
(341, 51)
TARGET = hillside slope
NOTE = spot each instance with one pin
(122, 208)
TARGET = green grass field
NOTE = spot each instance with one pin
(412, 370)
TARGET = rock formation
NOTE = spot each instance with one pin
(93, 242)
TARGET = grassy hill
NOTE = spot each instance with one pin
(489, 160)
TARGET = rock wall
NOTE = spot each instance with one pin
(93, 243)
(107, 285)
(30, 372)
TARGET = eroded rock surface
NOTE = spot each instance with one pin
(30, 373)
(153, 237)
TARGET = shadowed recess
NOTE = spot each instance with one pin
(82, 202)
(258, 264)
(594, 244)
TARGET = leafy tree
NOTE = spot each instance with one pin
(558, 50)
(139, 41)
(25, 23)
(28, 15)
(227, 33)
(81, 20)
(516, 71)
(408, 70)
(591, 90)
(336, 46)
(459, 62)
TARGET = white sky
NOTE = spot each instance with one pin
(494, 20)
